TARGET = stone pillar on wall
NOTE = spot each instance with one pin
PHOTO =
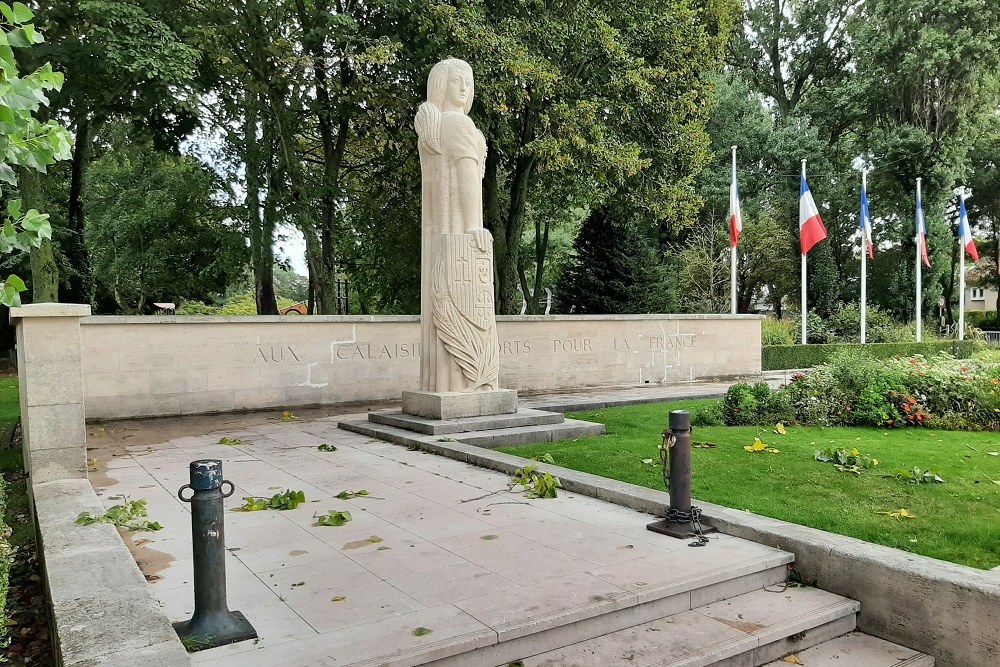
(50, 372)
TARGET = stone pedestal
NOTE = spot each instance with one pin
(50, 369)
(458, 405)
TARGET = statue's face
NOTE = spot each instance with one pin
(459, 87)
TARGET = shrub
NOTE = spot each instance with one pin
(708, 415)
(780, 357)
(776, 332)
(985, 320)
(196, 308)
(754, 405)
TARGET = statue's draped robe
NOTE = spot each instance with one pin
(447, 208)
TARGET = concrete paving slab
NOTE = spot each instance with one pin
(438, 543)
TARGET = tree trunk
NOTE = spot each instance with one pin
(333, 129)
(261, 252)
(79, 283)
(44, 281)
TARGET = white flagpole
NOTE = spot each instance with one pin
(961, 276)
(919, 285)
(864, 264)
(732, 280)
(805, 309)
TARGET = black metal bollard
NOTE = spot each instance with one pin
(212, 623)
(683, 520)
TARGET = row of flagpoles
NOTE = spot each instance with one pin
(812, 231)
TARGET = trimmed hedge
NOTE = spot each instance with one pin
(781, 357)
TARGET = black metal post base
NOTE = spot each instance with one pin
(682, 531)
(212, 631)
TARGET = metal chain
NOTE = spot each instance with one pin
(694, 518)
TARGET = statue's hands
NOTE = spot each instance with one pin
(484, 240)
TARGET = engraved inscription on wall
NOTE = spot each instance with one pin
(662, 343)
(276, 354)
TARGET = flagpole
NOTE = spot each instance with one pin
(732, 249)
(919, 285)
(961, 274)
(805, 309)
(864, 264)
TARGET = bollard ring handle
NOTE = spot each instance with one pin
(232, 488)
(180, 493)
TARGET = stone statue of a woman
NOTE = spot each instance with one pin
(459, 350)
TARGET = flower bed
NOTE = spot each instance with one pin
(855, 389)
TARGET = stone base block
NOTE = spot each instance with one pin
(458, 405)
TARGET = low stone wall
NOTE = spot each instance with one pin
(109, 616)
(149, 366)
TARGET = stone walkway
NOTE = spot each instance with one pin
(436, 544)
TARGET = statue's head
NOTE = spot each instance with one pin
(451, 77)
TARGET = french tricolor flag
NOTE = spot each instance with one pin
(922, 231)
(811, 229)
(965, 231)
(865, 223)
(735, 216)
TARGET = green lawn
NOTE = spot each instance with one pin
(958, 521)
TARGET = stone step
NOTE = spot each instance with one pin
(426, 425)
(751, 629)
(521, 435)
(856, 649)
(527, 435)
(548, 616)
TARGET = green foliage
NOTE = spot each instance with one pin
(288, 500)
(347, 495)
(226, 440)
(327, 448)
(129, 515)
(985, 320)
(614, 270)
(544, 458)
(534, 483)
(746, 404)
(778, 357)
(155, 229)
(333, 518)
(196, 308)
(6, 559)
(25, 142)
(852, 461)
(708, 414)
(777, 332)
(916, 476)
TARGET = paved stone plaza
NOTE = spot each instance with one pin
(426, 550)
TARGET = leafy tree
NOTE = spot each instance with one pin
(155, 231)
(124, 60)
(25, 142)
(615, 270)
(584, 104)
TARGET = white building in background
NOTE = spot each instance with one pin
(980, 298)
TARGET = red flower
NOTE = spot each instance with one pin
(913, 362)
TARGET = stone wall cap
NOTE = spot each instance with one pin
(613, 318)
(50, 310)
(355, 319)
(246, 319)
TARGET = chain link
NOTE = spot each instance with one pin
(694, 518)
